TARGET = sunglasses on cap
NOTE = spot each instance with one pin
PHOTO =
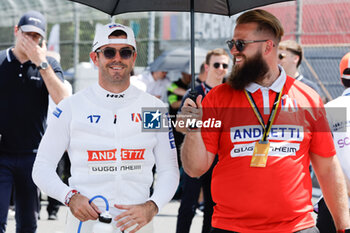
(281, 56)
(240, 44)
(109, 53)
(217, 65)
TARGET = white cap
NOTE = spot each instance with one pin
(102, 34)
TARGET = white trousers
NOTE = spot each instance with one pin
(72, 224)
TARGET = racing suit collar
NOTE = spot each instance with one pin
(115, 99)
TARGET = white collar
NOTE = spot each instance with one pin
(114, 100)
(299, 77)
(276, 86)
(110, 95)
(8, 55)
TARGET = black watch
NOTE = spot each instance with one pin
(43, 66)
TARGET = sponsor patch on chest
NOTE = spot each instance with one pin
(102, 162)
(114, 169)
(278, 132)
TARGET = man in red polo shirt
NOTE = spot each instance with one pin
(271, 127)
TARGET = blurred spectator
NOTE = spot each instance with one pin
(339, 123)
(174, 99)
(216, 67)
(175, 93)
(290, 55)
(202, 76)
(156, 83)
(28, 76)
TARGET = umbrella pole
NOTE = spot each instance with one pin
(192, 46)
(192, 94)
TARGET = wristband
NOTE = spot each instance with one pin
(69, 196)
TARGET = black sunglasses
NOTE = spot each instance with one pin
(109, 53)
(281, 56)
(217, 65)
(240, 44)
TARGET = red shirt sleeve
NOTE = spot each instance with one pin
(210, 135)
(322, 141)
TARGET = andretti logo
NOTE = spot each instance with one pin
(102, 155)
(278, 132)
(106, 162)
(132, 154)
(111, 156)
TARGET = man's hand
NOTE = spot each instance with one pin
(189, 111)
(138, 215)
(81, 208)
(190, 108)
(34, 52)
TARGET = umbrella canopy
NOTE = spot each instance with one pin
(221, 7)
(178, 60)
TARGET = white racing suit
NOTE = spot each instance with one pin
(110, 153)
(338, 115)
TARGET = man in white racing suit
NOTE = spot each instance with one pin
(111, 155)
(338, 115)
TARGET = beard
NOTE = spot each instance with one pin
(252, 70)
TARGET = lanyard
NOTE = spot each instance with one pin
(205, 89)
(272, 116)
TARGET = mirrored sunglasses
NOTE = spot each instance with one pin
(109, 53)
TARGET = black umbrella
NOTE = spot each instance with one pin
(220, 7)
